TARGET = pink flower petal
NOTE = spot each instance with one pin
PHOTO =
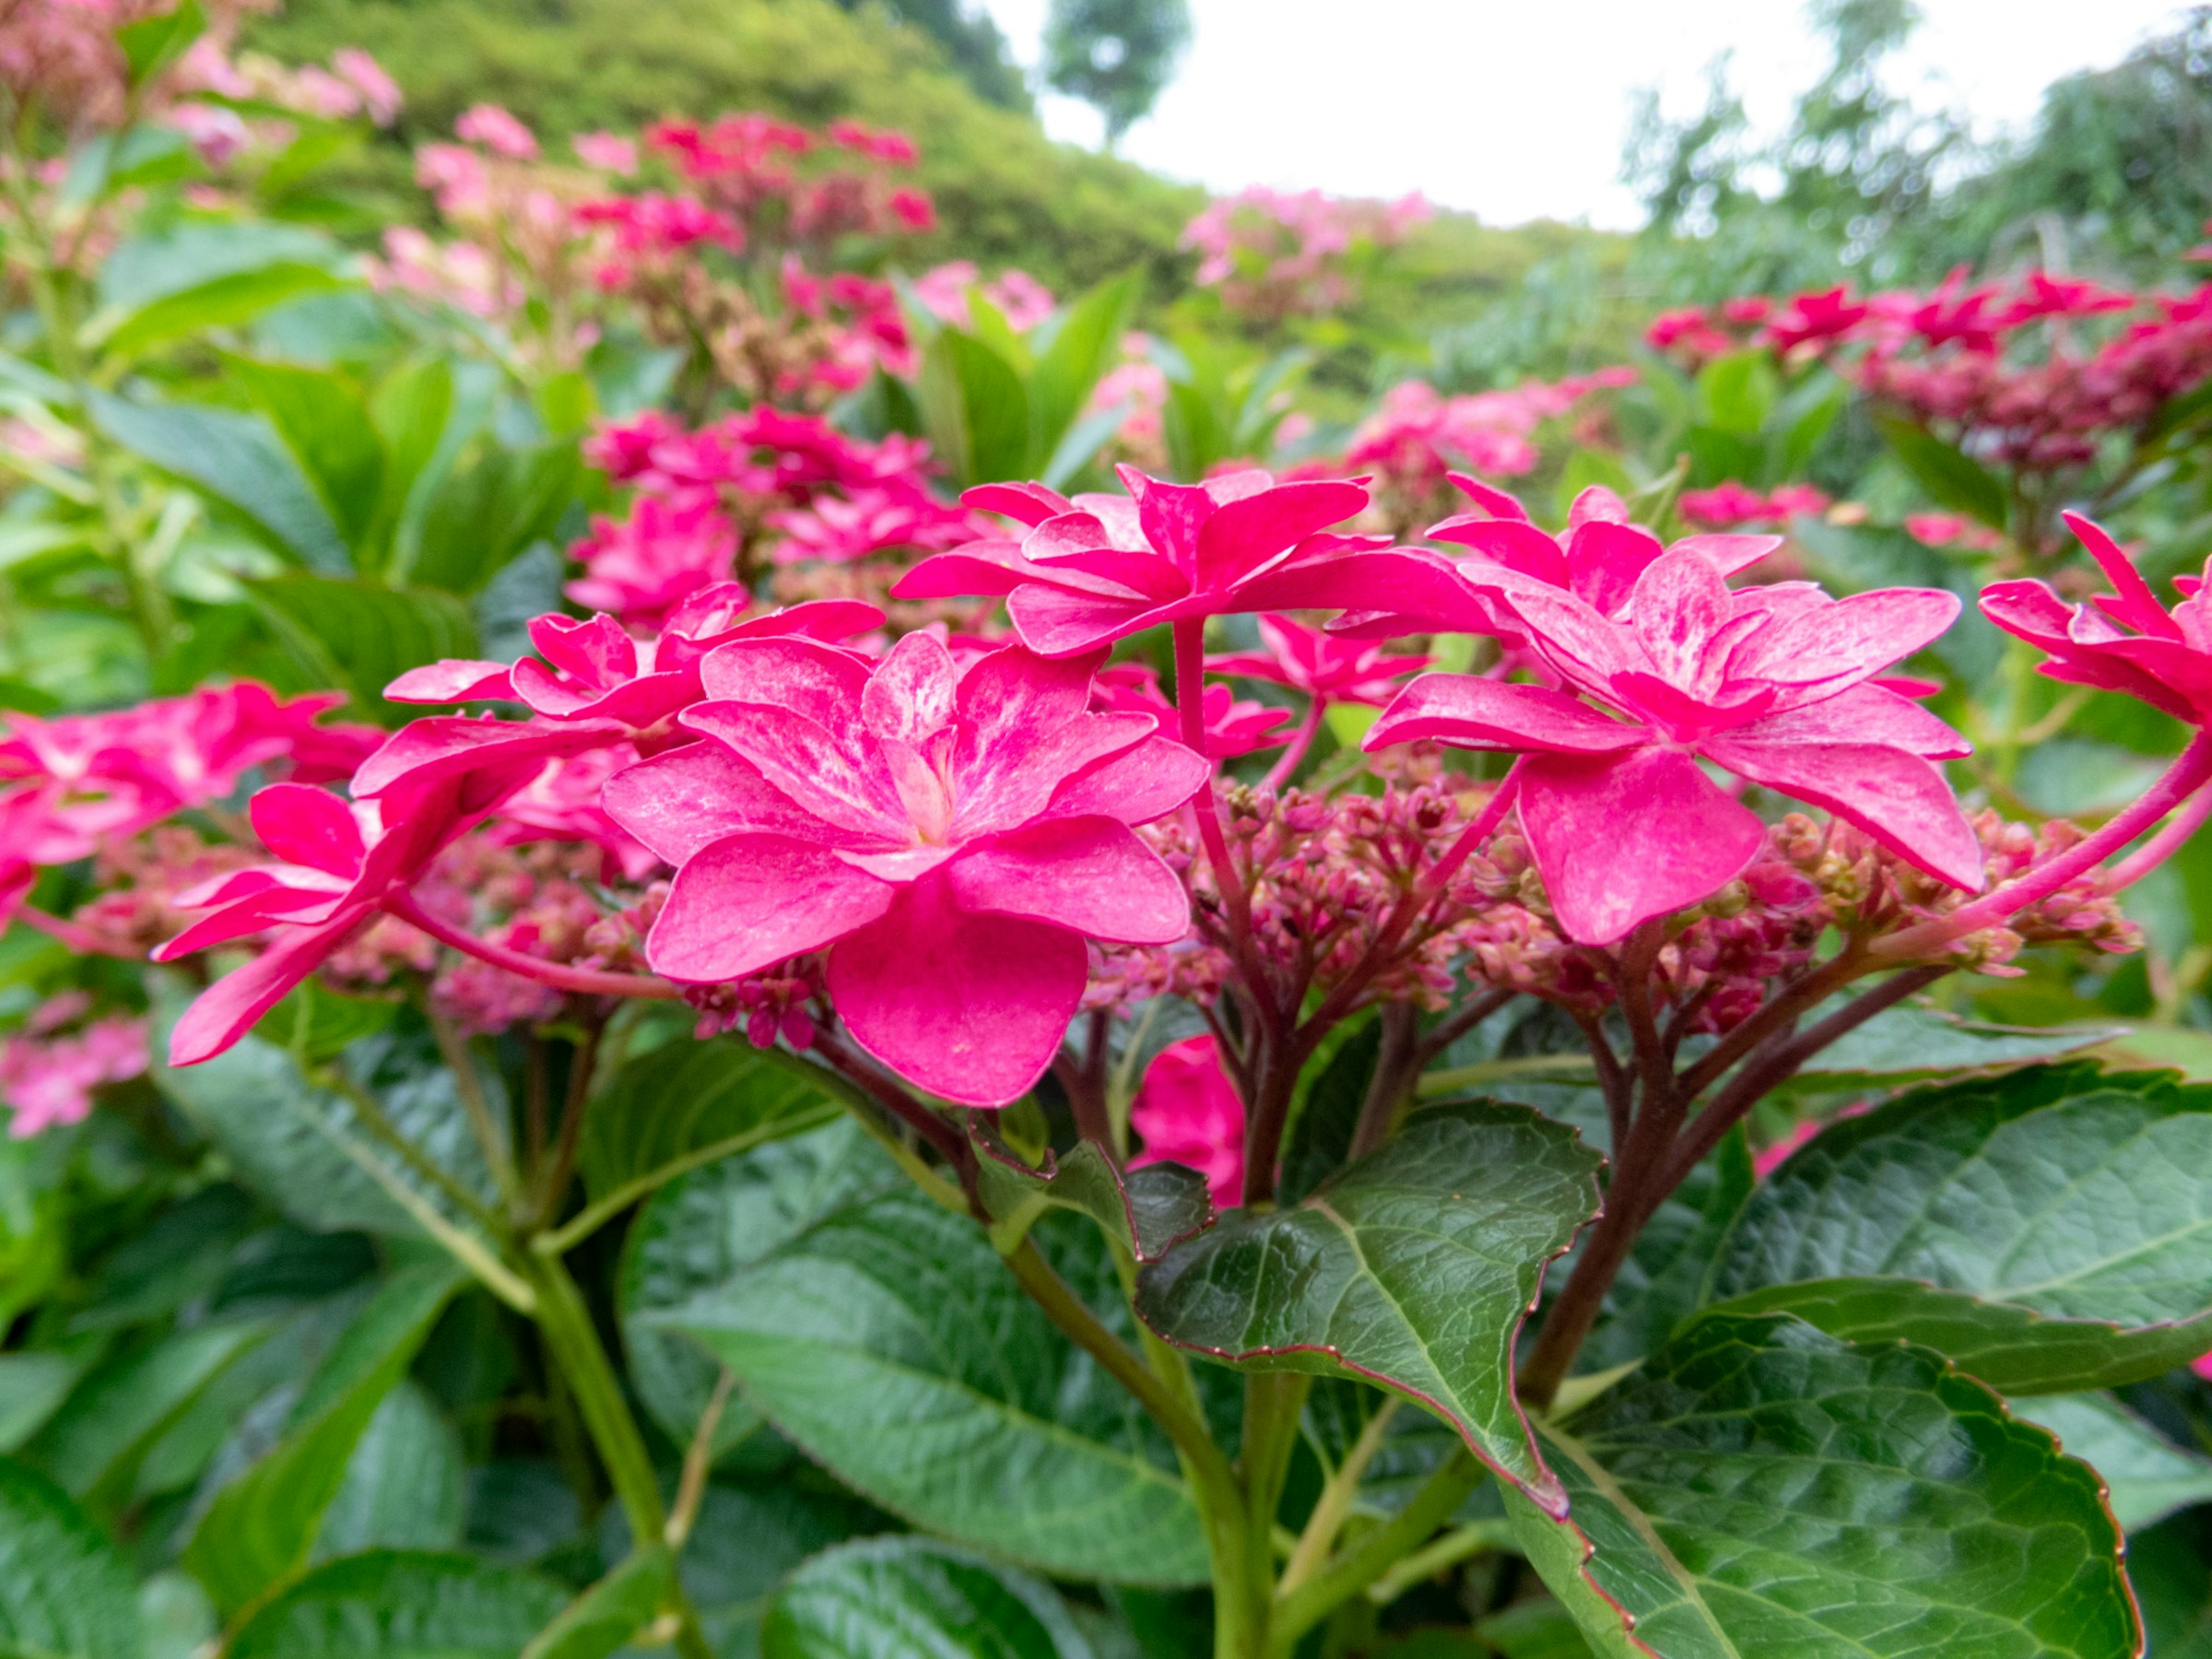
(1024, 503)
(1247, 532)
(1607, 561)
(1679, 604)
(1090, 874)
(1055, 621)
(980, 567)
(1850, 639)
(748, 901)
(1136, 786)
(451, 681)
(679, 801)
(1517, 545)
(1900, 799)
(1623, 839)
(824, 683)
(1867, 713)
(1729, 552)
(1498, 503)
(226, 1011)
(303, 825)
(845, 785)
(1468, 711)
(971, 1007)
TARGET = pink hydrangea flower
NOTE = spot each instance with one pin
(2124, 641)
(1190, 1113)
(1322, 665)
(608, 152)
(497, 131)
(1233, 725)
(949, 838)
(1094, 569)
(47, 1081)
(380, 94)
(1769, 682)
(642, 567)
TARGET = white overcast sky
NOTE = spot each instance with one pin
(1516, 109)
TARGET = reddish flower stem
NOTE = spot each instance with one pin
(1285, 769)
(2166, 843)
(82, 940)
(409, 909)
(2189, 773)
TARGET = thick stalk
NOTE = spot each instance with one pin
(1374, 1555)
(1269, 1114)
(2191, 769)
(1398, 1063)
(573, 1343)
(2166, 843)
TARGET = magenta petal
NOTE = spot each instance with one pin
(1517, 545)
(1470, 712)
(679, 801)
(2133, 601)
(1090, 874)
(1136, 786)
(846, 784)
(1623, 839)
(1249, 532)
(450, 680)
(1171, 516)
(1403, 580)
(748, 901)
(1024, 503)
(1728, 551)
(1900, 799)
(424, 752)
(1498, 503)
(2030, 610)
(303, 825)
(223, 1013)
(1867, 713)
(1055, 621)
(981, 567)
(1606, 560)
(1679, 603)
(1853, 638)
(823, 682)
(1596, 505)
(970, 1008)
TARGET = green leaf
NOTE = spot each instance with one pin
(412, 409)
(1413, 1268)
(400, 1604)
(361, 637)
(65, 1594)
(1086, 342)
(888, 1341)
(748, 1538)
(32, 1386)
(1320, 1137)
(318, 1024)
(2082, 1199)
(323, 421)
(705, 1227)
(1738, 392)
(1762, 1489)
(608, 1614)
(684, 1098)
(1147, 1212)
(975, 409)
(259, 1529)
(483, 514)
(152, 44)
(911, 1598)
(94, 1443)
(2148, 1476)
(238, 460)
(222, 302)
(405, 1486)
(2171, 1567)
(1952, 478)
(1914, 1041)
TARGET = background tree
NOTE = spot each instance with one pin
(1115, 54)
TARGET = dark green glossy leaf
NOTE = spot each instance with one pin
(2148, 1476)
(152, 44)
(2081, 1199)
(321, 417)
(400, 1604)
(405, 1485)
(1320, 1137)
(258, 1530)
(748, 1538)
(362, 638)
(65, 1594)
(1660, 1282)
(911, 1598)
(1952, 478)
(32, 1386)
(888, 1340)
(1414, 1268)
(1914, 1041)
(684, 1098)
(238, 459)
(94, 1443)
(703, 1227)
(1085, 341)
(1147, 1212)
(1762, 1489)
(608, 1614)
(2171, 1567)
(975, 409)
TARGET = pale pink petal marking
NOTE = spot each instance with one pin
(1090, 874)
(1900, 799)
(748, 901)
(1470, 712)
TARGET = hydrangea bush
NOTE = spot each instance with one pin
(904, 1004)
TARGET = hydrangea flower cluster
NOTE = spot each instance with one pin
(1277, 253)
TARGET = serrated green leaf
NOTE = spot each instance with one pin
(912, 1598)
(65, 1594)
(1413, 1268)
(1951, 476)
(1913, 1041)
(2148, 1475)
(703, 1227)
(888, 1339)
(321, 418)
(684, 1098)
(260, 1527)
(400, 1604)
(611, 1611)
(1146, 1212)
(362, 637)
(1762, 1489)
(2080, 1198)
(238, 460)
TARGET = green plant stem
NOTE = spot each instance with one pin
(1334, 1504)
(1454, 1547)
(1375, 1554)
(453, 1048)
(573, 1343)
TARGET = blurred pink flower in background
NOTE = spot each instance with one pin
(1189, 1113)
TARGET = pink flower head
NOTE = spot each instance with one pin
(1769, 682)
(608, 152)
(641, 568)
(1234, 726)
(592, 670)
(878, 144)
(1190, 1113)
(47, 1081)
(949, 838)
(380, 94)
(430, 782)
(1321, 665)
(2124, 641)
(1096, 568)
(1815, 319)
(497, 131)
